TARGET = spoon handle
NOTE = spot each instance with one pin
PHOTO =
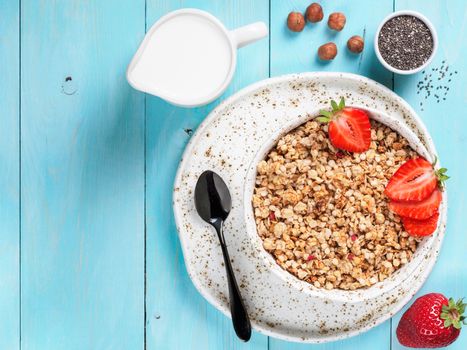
(240, 319)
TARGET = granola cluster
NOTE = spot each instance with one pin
(322, 213)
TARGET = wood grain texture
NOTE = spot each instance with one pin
(177, 316)
(297, 52)
(82, 176)
(9, 176)
(447, 124)
(83, 168)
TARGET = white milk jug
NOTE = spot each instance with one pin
(188, 57)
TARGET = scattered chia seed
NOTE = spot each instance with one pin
(405, 42)
(438, 76)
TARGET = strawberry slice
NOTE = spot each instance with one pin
(349, 128)
(415, 180)
(421, 228)
(418, 210)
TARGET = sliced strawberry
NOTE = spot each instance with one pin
(349, 128)
(418, 210)
(415, 180)
(421, 228)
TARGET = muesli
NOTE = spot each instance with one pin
(322, 212)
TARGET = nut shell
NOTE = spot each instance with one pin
(355, 44)
(336, 21)
(327, 51)
(314, 13)
(295, 21)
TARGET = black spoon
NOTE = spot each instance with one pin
(213, 203)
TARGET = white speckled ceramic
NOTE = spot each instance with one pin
(232, 139)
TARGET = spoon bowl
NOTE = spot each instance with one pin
(212, 197)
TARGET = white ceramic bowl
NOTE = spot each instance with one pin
(234, 136)
(430, 27)
(337, 295)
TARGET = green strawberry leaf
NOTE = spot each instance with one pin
(334, 105)
(323, 119)
(442, 177)
(452, 314)
(335, 108)
(325, 113)
(342, 103)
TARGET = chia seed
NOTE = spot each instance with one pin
(436, 80)
(405, 42)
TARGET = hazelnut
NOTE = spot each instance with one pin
(336, 21)
(295, 21)
(314, 13)
(327, 51)
(355, 44)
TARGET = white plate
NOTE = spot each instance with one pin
(227, 142)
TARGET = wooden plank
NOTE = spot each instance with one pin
(9, 176)
(447, 124)
(82, 176)
(178, 317)
(297, 52)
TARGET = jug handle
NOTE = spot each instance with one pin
(248, 34)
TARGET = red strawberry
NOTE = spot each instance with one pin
(418, 210)
(415, 180)
(349, 128)
(432, 321)
(421, 228)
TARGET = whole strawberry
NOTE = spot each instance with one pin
(432, 321)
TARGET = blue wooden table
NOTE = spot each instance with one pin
(89, 255)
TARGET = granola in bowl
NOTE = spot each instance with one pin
(322, 213)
